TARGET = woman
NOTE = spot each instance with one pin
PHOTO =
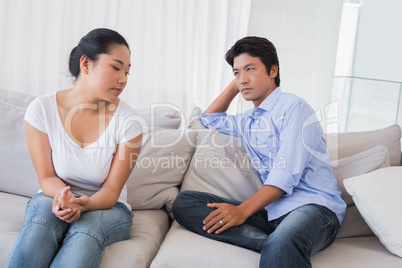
(81, 142)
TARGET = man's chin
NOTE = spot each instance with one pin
(247, 97)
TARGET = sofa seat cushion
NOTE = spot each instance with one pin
(147, 233)
(183, 248)
(367, 252)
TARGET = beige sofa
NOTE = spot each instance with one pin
(200, 159)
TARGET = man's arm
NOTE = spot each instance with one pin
(232, 215)
(222, 102)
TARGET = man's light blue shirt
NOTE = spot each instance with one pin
(283, 139)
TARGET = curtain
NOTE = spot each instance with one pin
(177, 46)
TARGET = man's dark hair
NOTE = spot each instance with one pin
(256, 47)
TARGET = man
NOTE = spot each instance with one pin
(299, 209)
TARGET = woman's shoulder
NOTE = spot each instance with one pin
(43, 101)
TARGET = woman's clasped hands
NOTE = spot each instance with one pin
(67, 207)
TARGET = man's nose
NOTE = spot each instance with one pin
(243, 77)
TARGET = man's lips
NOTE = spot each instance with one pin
(245, 89)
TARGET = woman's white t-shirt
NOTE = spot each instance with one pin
(83, 169)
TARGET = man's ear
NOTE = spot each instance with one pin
(274, 71)
(84, 64)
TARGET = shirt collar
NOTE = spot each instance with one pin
(269, 102)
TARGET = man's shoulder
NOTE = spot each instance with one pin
(291, 97)
(288, 100)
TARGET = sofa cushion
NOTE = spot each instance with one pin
(183, 248)
(378, 197)
(372, 159)
(221, 166)
(194, 124)
(18, 175)
(342, 145)
(147, 233)
(160, 117)
(355, 252)
(160, 168)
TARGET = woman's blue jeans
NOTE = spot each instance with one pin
(46, 241)
(288, 241)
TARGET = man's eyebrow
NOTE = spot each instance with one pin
(122, 63)
(248, 65)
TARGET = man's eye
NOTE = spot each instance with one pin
(249, 69)
(236, 73)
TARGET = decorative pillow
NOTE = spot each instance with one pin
(375, 158)
(194, 124)
(159, 171)
(194, 121)
(220, 166)
(378, 197)
(342, 145)
(160, 117)
(18, 175)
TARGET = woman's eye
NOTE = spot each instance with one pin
(115, 68)
(127, 74)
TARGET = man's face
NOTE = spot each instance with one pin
(252, 79)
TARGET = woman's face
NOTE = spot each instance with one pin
(107, 76)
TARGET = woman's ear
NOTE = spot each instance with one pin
(84, 64)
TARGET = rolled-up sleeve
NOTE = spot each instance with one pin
(227, 124)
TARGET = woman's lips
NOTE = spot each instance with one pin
(117, 90)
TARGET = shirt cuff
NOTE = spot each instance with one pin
(281, 179)
(208, 119)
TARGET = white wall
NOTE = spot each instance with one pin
(370, 59)
(305, 34)
(379, 40)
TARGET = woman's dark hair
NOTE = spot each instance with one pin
(256, 47)
(96, 42)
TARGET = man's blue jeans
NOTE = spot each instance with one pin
(288, 241)
(46, 241)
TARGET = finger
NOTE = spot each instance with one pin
(62, 214)
(212, 214)
(67, 216)
(223, 227)
(213, 205)
(73, 217)
(211, 219)
(65, 190)
(55, 201)
(216, 227)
